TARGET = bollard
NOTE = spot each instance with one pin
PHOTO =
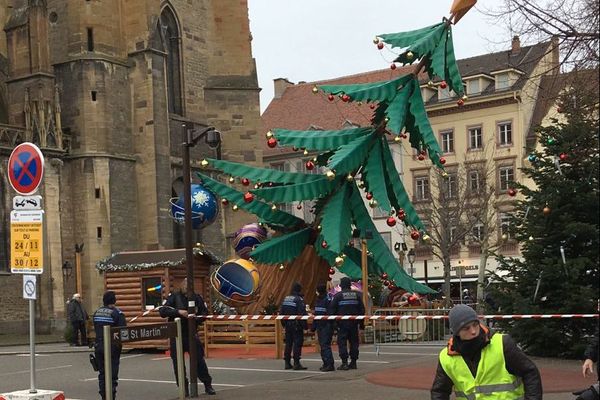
(107, 363)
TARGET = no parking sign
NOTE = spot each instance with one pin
(26, 168)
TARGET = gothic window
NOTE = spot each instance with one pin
(171, 37)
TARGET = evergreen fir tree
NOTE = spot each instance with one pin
(557, 224)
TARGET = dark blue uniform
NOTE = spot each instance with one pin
(107, 315)
(347, 302)
(324, 331)
(175, 302)
(294, 330)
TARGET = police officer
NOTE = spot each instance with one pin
(324, 329)
(347, 302)
(294, 330)
(176, 306)
(108, 314)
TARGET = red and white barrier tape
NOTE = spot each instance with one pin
(384, 317)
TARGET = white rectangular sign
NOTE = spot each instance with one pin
(27, 203)
(29, 288)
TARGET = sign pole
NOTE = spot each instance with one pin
(32, 346)
(180, 360)
(107, 364)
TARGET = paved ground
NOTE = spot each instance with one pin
(397, 372)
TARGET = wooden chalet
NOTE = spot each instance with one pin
(142, 280)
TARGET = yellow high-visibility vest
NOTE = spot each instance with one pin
(493, 381)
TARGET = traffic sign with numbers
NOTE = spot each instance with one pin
(26, 242)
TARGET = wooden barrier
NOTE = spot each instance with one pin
(243, 335)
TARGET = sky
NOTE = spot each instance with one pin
(310, 40)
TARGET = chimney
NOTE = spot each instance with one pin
(279, 85)
(516, 45)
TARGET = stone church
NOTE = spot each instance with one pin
(104, 88)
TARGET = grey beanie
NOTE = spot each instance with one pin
(459, 316)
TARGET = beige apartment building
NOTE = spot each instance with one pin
(493, 128)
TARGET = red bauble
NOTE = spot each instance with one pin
(384, 275)
(401, 214)
(369, 196)
(324, 244)
(272, 142)
(415, 235)
(559, 110)
(511, 192)
(423, 152)
(224, 202)
(421, 157)
(331, 97)
(372, 106)
(443, 84)
(299, 207)
(248, 197)
(310, 165)
(391, 221)
(460, 102)
(393, 66)
(245, 181)
(345, 98)
(562, 156)
(386, 283)
(331, 271)
(404, 135)
(442, 160)
(380, 45)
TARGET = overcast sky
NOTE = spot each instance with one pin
(309, 40)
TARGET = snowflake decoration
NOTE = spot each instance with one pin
(200, 198)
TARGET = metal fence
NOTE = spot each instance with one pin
(395, 332)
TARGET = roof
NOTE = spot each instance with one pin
(300, 109)
(142, 260)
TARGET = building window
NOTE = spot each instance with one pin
(379, 212)
(90, 39)
(447, 141)
(505, 225)
(475, 138)
(502, 81)
(450, 186)
(387, 238)
(152, 292)
(506, 176)
(444, 94)
(477, 232)
(473, 86)
(171, 38)
(308, 212)
(422, 188)
(505, 133)
(474, 181)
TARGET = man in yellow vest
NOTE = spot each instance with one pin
(479, 364)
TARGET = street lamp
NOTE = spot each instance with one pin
(411, 260)
(190, 138)
(67, 270)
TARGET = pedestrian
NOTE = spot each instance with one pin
(467, 298)
(294, 329)
(479, 363)
(108, 314)
(324, 329)
(77, 317)
(592, 355)
(347, 302)
(176, 306)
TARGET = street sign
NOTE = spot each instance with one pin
(29, 292)
(27, 203)
(140, 333)
(26, 168)
(26, 242)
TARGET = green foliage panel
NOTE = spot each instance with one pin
(397, 109)
(351, 156)
(425, 45)
(336, 220)
(299, 191)
(319, 140)
(282, 248)
(260, 174)
(256, 207)
(377, 91)
(373, 175)
(405, 39)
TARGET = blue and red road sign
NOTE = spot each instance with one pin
(26, 168)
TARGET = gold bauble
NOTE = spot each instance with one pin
(426, 237)
(504, 236)
(349, 178)
(430, 84)
(330, 175)
(361, 185)
(231, 179)
(269, 135)
(256, 186)
(274, 207)
(339, 260)
(235, 207)
(204, 163)
(465, 97)
(397, 139)
(387, 119)
(319, 227)
(305, 152)
(373, 203)
(281, 267)
(315, 90)
(444, 174)
(410, 55)
(530, 237)
(376, 40)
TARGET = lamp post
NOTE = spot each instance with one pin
(190, 138)
(78, 251)
(411, 260)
